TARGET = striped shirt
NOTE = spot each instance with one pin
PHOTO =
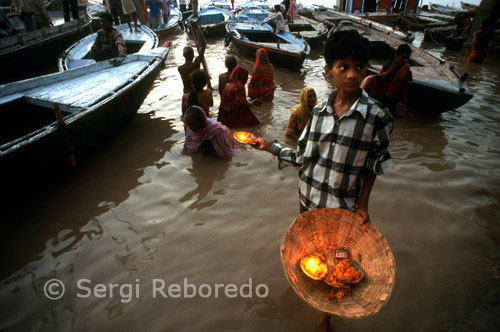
(334, 152)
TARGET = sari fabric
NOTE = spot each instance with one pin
(262, 81)
(300, 114)
(235, 110)
(216, 133)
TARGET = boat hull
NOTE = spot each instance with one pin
(86, 130)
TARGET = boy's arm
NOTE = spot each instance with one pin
(364, 196)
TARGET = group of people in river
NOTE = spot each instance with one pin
(342, 141)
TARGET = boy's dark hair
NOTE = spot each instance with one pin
(199, 80)
(403, 49)
(277, 8)
(194, 115)
(230, 62)
(106, 16)
(344, 43)
(188, 52)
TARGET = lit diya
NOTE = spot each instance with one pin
(244, 137)
(313, 267)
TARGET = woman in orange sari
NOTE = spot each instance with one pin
(234, 109)
(262, 81)
(301, 113)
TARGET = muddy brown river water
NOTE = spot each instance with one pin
(141, 212)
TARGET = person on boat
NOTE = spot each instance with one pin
(232, 4)
(18, 7)
(301, 113)
(155, 15)
(6, 27)
(230, 63)
(130, 11)
(481, 41)
(376, 85)
(235, 109)
(116, 11)
(286, 3)
(397, 88)
(262, 81)
(70, 6)
(138, 11)
(184, 5)
(208, 135)
(345, 143)
(190, 65)
(200, 96)
(276, 20)
(109, 42)
(292, 11)
(39, 14)
(463, 22)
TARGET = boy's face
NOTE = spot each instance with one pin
(347, 73)
(402, 59)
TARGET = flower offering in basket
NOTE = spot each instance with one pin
(337, 265)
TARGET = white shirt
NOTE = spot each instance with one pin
(278, 19)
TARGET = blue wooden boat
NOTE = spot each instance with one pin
(220, 4)
(174, 21)
(212, 20)
(92, 103)
(284, 49)
(78, 54)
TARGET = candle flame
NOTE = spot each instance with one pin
(244, 137)
(313, 267)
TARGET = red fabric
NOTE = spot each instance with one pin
(262, 81)
(477, 57)
(235, 109)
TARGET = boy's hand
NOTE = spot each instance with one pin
(263, 144)
(365, 217)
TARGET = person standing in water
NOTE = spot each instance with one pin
(345, 143)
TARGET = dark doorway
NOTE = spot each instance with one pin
(370, 6)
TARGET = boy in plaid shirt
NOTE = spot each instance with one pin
(345, 143)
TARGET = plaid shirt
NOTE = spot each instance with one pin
(334, 152)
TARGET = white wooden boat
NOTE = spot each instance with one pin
(35, 52)
(95, 101)
(78, 54)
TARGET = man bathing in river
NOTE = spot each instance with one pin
(345, 143)
(190, 66)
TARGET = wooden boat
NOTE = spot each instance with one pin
(172, 25)
(435, 87)
(94, 101)
(35, 52)
(438, 35)
(78, 54)
(212, 20)
(219, 4)
(403, 21)
(468, 6)
(313, 31)
(6, 5)
(255, 13)
(445, 9)
(256, 3)
(331, 17)
(284, 49)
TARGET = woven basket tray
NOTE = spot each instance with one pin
(320, 228)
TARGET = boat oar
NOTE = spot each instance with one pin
(199, 40)
(62, 128)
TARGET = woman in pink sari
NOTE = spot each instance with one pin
(211, 136)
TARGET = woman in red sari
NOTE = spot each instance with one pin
(235, 109)
(262, 81)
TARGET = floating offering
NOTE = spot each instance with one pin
(313, 267)
(244, 137)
